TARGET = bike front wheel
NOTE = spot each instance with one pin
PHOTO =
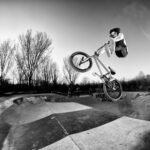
(80, 61)
(112, 90)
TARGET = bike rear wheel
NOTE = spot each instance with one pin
(80, 61)
(112, 90)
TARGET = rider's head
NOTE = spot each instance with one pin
(114, 32)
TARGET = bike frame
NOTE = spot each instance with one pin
(99, 63)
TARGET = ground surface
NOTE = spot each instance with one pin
(34, 122)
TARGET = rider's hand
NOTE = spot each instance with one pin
(96, 53)
(107, 42)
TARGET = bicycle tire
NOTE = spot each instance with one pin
(110, 93)
(75, 65)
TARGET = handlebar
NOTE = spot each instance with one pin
(102, 46)
(98, 50)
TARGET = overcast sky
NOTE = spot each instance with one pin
(82, 25)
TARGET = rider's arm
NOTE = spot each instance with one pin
(119, 37)
(100, 50)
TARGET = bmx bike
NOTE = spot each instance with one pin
(82, 62)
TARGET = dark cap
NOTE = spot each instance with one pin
(117, 30)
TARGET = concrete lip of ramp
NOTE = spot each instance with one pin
(6, 103)
(122, 134)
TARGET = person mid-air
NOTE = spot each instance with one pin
(116, 43)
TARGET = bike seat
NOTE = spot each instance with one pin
(112, 71)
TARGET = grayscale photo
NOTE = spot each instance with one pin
(74, 75)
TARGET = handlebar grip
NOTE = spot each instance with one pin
(96, 53)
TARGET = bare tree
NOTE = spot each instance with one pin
(48, 71)
(6, 57)
(42, 72)
(70, 75)
(32, 53)
(140, 75)
(21, 70)
(54, 72)
(85, 81)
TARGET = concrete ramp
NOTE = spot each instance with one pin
(122, 134)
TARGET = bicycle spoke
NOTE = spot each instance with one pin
(80, 62)
(113, 89)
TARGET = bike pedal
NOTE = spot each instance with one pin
(112, 71)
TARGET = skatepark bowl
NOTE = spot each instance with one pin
(58, 122)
